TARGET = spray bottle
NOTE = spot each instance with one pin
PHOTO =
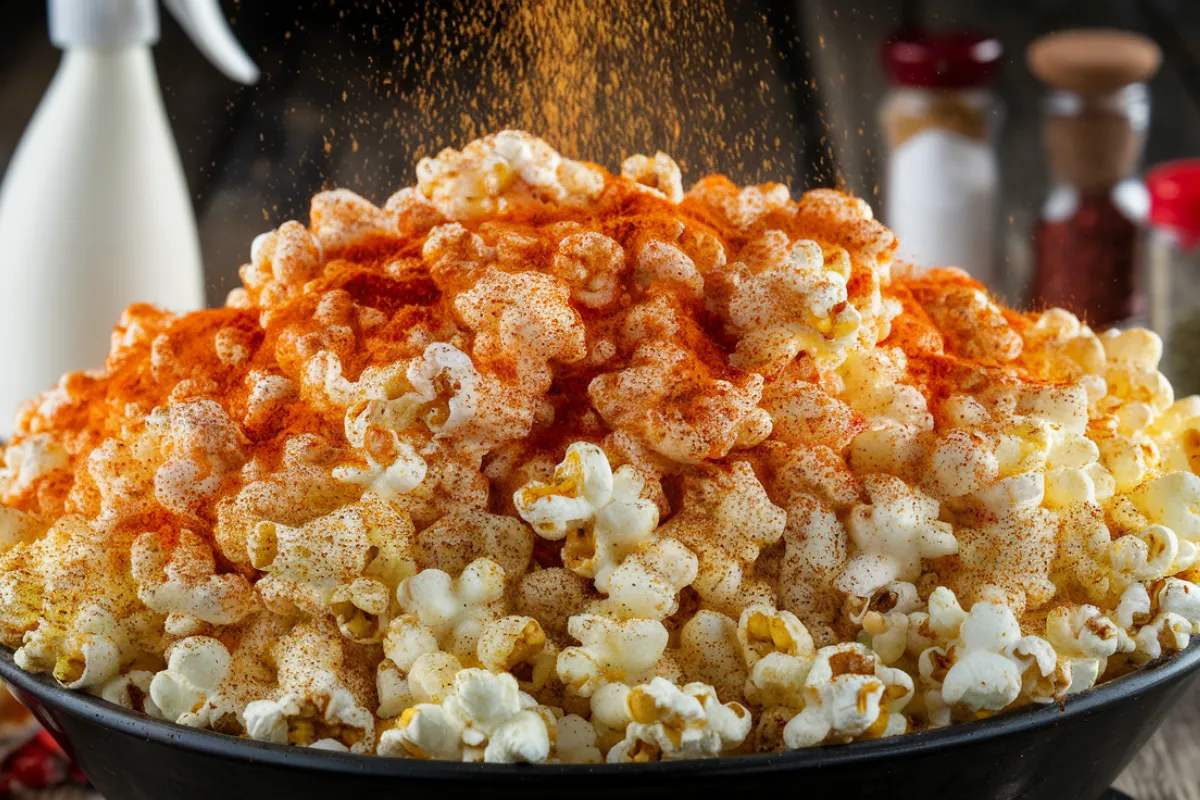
(94, 208)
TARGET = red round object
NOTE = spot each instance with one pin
(947, 60)
(1175, 198)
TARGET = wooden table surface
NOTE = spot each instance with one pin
(1168, 768)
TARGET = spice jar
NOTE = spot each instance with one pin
(942, 123)
(1173, 269)
(1096, 113)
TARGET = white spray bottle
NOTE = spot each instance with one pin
(94, 209)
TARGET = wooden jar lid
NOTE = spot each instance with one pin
(1093, 61)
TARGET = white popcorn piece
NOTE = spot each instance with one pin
(778, 652)
(1148, 554)
(610, 651)
(393, 467)
(1134, 606)
(848, 694)
(431, 678)
(453, 610)
(575, 741)
(391, 687)
(647, 584)
(186, 582)
(990, 662)
(1172, 500)
(26, 461)
(660, 174)
(667, 722)
(186, 691)
(1084, 632)
(582, 485)
(131, 690)
(1180, 597)
(486, 717)
(446, 381)
(1167, 632)
(425, 732)
(891, 535)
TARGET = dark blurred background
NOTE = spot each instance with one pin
(802, 80)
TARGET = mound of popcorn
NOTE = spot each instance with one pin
(537, 463)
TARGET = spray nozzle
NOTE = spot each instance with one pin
(115, 23)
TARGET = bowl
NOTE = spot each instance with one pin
(1051, 752)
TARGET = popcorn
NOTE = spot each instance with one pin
(610, 651)
(660, 174)
(778, 652)
(989, 661)
(485, 718)
(725, 519)
(27, 461)
(668, 723)
(186, 582)
(393, 467)
(321, 713)
(591, 264)
(849, 694)
(449, 611)
(892, 535)
(186, 692)
(583, 484)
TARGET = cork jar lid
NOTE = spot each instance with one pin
(1093, 61)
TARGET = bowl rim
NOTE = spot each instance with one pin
(1030, 718)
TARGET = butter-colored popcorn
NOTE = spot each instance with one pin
(187, 691)
(452, 611)
(667, 723)
(582, 485)
(320, 711)
(778, 653)
(849, 694)
(891, 535)
(610, 651)
(660, 174)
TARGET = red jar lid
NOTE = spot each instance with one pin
(1175, 198)
(940, 60)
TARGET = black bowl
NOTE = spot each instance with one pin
(1046, 752)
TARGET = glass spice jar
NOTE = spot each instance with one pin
(1173, 269)
(942, 122)
(1096, 113)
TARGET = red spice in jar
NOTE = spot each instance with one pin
(1087, 262)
